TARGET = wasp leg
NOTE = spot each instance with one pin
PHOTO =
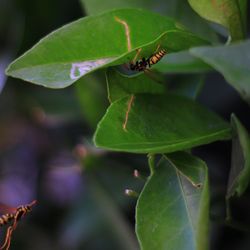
(151, 74)
(157, 49)
(136, 56)
(9, 232)
(7, 241)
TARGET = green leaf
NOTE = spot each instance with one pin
(173, 63)
(243, 10)
(92, 97)
(172, 210)
(158, 123)
(181, 62)
(232, 62)
(121, 85)
(240, 165)
(177, 9)
(224, 12)
(90, 43)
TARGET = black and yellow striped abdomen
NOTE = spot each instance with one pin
(155, 58)
(144, 63)
(6, 218)
(22, 210)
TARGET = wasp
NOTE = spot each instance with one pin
(6, 218)
(13, 214)
(144, 64)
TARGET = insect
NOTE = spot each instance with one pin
(6, 218)
(144, 64)
(13, 215)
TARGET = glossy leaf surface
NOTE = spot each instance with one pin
(172, 210)
(93, 42)
(179, 10)
(158, 123)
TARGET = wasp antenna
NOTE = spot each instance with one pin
(7, 241)
(157, 48)
(138, 51)
(33, 203)
(16, 216)
(131, 193)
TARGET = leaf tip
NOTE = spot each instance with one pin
(8, 70)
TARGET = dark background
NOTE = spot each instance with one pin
(46, 151)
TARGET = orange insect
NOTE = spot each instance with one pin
(12, 214)
(144, 63)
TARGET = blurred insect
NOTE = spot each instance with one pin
(12, 215)
(144, 64)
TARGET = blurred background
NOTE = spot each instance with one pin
(46, 149)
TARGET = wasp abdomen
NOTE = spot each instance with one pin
(144, 63)
(155, 58)
(4, 219)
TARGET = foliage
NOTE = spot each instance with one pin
(154, 112)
